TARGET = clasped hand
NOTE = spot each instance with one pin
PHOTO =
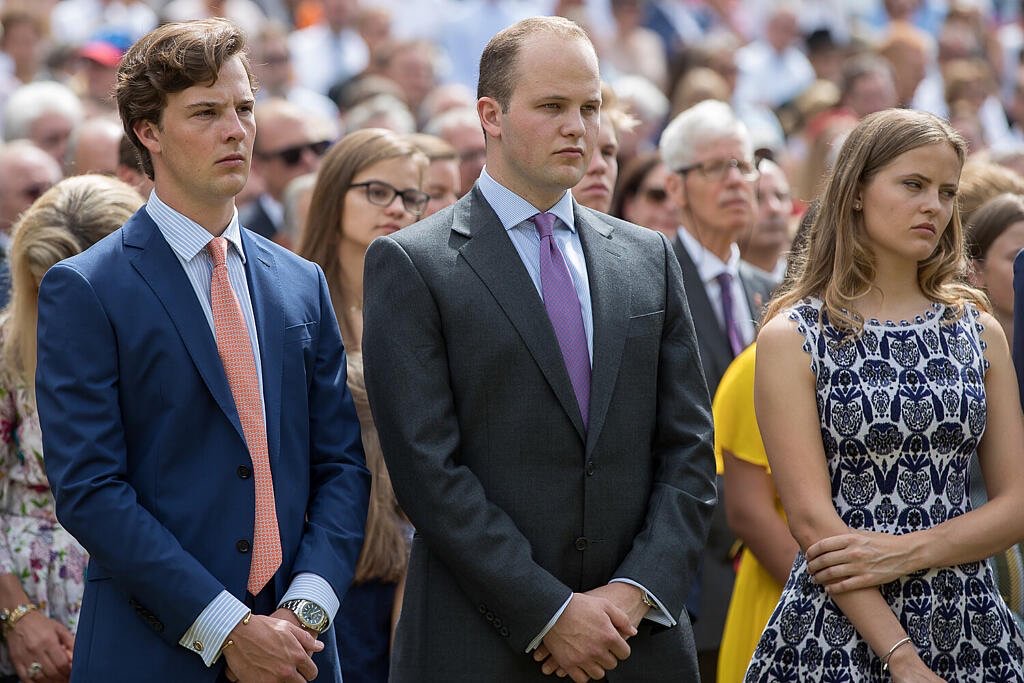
(37, 638)
(589, 638)
(271, 649)
(858, 559)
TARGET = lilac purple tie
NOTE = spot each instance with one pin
(563, 306)
(732, 329)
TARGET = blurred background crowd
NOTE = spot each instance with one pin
(798, 74)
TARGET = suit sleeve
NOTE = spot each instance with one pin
(407, 379)
(666, 554)
(339, 480)
(86, 457)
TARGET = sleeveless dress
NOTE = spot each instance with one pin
(902, 409)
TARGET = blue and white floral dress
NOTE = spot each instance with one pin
(902, 409)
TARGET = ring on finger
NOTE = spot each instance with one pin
(34, 670)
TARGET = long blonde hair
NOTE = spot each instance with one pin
(836, 264)
(68, 218)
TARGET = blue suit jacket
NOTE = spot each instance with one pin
(145, 452)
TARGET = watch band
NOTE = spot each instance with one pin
(295, 605)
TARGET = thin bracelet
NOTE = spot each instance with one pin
(899, 643)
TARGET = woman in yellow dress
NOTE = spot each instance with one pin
(755, 516)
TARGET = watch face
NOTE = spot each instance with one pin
(312, 614)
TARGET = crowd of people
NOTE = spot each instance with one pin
(532, 435)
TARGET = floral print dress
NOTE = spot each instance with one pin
(33, 545)
(902, 410)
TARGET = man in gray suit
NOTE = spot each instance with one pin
(533, 371)
(711, 157)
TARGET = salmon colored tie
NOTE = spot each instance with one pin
(235, 351)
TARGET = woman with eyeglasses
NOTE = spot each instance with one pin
(640, 195)
(41, 566)
(369, 184)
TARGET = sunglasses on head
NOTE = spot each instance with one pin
(292, 155)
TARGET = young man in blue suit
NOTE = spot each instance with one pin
(200, 439)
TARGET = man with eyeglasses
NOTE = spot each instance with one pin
(26, 172)
(711, 158)
(287, 146)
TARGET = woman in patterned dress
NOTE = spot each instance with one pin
(879, 377)
(41, 565)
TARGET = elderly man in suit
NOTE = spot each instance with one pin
(711, 157)
(199, 436)
(534, 374)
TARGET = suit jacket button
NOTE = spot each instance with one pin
(582, 543)
(504, 631)
(243, 472)
(490, 616)
(243, 546)
(497, 623)
(482, 608)
(591, 468)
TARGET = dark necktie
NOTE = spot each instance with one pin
(732, 329)
(563, 307)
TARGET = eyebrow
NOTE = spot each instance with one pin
(213, 105)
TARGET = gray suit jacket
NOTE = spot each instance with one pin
(515, 505)
(717, 575)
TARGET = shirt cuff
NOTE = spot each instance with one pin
(544, 631)
(661, 615)
(309, 586)
(211, 628)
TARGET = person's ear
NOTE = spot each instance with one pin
(675, 190)
(149, 135)
(489, 111)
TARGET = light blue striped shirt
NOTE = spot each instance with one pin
(188, 241)
(515, 213)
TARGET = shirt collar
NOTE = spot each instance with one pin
(709, 266)
(513, 209)
(186, 237)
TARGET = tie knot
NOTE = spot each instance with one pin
(724, 279)
(218, 248)
(545, 223)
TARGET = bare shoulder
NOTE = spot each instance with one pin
(996, 347)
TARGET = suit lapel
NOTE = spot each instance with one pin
(268, 310)
(609, 296)
(492, 256)
(154, 260)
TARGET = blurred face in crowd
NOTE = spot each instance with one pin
(468, 141)
(26, 172)
(651, 206)
(717, 194)
(770, 236)
(51, 132)
(412, 68)
(364, 217)
(596, 188)
(994, 271)
(286, 148)
(442, 184)
(870, 93)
